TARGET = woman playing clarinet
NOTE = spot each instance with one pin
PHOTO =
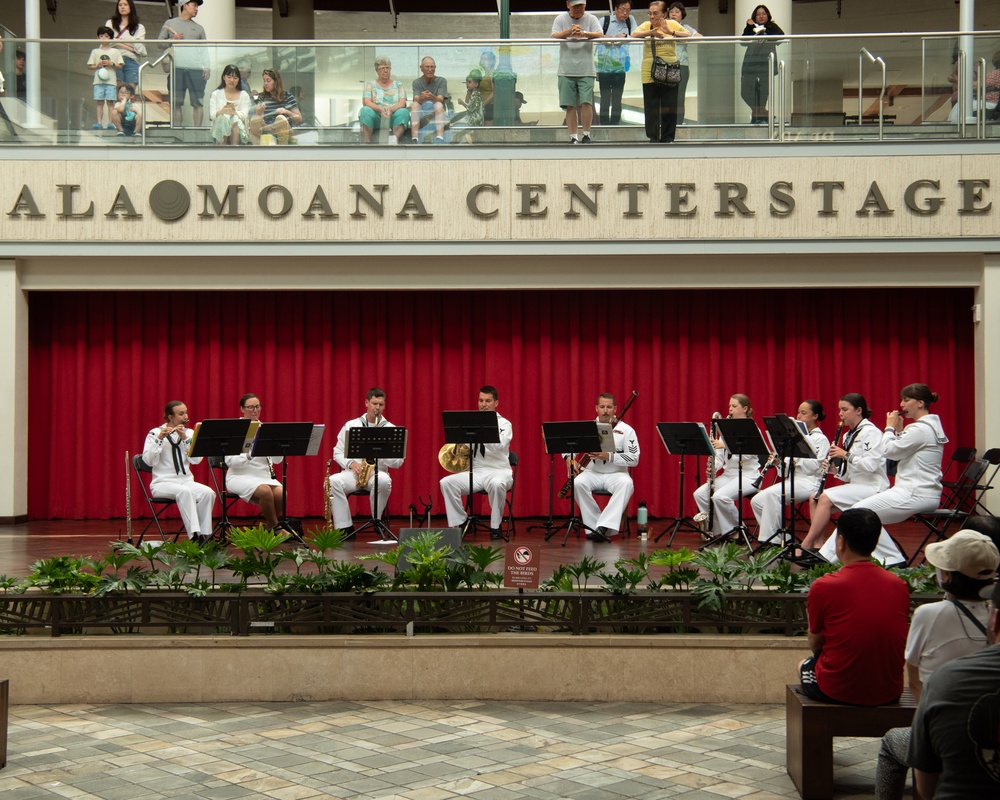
(918, 449)
(767, 504)
(862, 467)
(727, 484)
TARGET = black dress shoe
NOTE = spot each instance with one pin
(601, 535)
(495, 533)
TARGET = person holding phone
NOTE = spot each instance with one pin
(229, 109)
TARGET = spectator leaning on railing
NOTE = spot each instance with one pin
(190, 63)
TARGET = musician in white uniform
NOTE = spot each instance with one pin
(346, 481)
(166, 452)
(919, 448)
(253, 478)
(491, 472)
(727, 483)
(863, 469)
(607, 471)
(766, 505)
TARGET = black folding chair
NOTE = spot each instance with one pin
(991, 457)
(961, 502)
(157, 505)
(507, 529)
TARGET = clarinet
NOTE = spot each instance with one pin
(826, 465)
(703, 520)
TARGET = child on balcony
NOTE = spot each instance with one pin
(103, 62)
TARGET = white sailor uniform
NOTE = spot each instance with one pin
(609, 476)
(345, 482)
(491, 473)
(171, 465)
(766, 504)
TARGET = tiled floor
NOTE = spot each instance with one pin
(414, 750)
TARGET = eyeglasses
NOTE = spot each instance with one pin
(251, 408)
(270, 72)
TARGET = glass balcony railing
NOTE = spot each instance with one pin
(859, 87)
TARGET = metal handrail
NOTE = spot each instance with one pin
(981, 100)
(142, 96)
(962, 88)
(782, 106)
(881, 97)
(770, 93)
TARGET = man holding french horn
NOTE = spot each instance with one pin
(359, 474)
(491, 472)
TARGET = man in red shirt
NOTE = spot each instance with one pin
(858, 620)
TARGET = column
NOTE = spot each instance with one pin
(986, 310)
(218, 18)
(13, 395)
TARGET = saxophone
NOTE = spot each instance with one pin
(365, 475)
(706, 521)
(367, 464)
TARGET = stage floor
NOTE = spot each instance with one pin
(22, 545)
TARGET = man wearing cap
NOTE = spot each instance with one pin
(939, 633)
(955, 745)
(190, 63)
(858, 618)
(576, 71)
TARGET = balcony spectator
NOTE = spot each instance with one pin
(429, 93)
(277, 111)
(384, 104)
(128, 35)
(754, 83)
(190, 63)
(613, 61)
(103, 62)
(576, 28)
(229, 109)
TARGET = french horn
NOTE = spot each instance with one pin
(454, 457)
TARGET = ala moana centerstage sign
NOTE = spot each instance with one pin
(516, 200)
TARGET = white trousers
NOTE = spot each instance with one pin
(766, 505)
(621, 487)
(726, 517)
(343, 483)
(195, 502)
(892, 505)
(495, 482)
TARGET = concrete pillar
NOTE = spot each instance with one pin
(13, 395)
(299, 24)
(218, 18)
(986, 309)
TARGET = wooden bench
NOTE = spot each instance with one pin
(811, 725)
(4, 698)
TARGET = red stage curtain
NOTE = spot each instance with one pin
(102, 365)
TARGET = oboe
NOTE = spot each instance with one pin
(824, 472)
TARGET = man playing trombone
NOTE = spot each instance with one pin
(606, 471)
(358, 474)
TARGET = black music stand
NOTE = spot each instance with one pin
(571, 437)
(789, 443)
(549, 525)
(367, 444)
(473, 428)
(288, 439)
(742, 438)
(684, 439)
(218, 438)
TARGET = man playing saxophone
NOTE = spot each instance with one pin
(357, 474)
